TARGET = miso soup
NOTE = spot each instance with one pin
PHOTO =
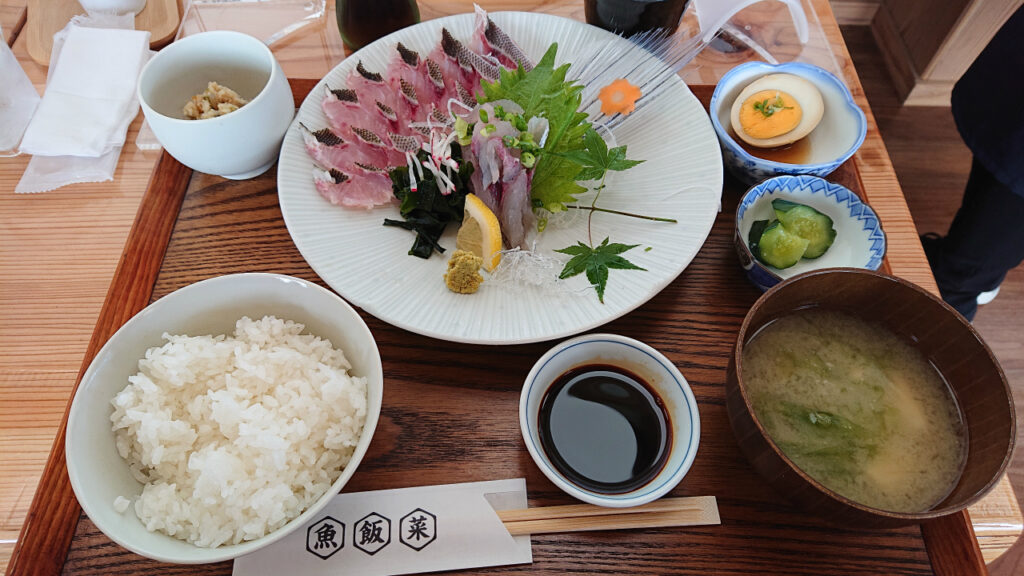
(857, 408)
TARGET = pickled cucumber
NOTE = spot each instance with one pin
(807, 223)
(779, 247)
(754, 237)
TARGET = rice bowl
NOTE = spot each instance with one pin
(100, 476)
(233, 436)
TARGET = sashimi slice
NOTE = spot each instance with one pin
(355, 190)
(333, 153)
(414, 91)
(473, 65)
(516, 216)
(370, 86)
(376, 143)
(349, 120)
(491, 40)
(345, 108)
(500, 180)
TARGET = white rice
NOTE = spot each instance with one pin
(233, 436)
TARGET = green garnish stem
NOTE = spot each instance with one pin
(621, 213)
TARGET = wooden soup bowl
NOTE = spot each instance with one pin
(945, 338)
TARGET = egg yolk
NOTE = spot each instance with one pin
(769, 113)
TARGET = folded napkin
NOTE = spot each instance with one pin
(18, 99)
(90, 94)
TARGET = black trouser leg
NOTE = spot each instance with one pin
(985, 241)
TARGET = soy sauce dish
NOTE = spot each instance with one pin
(609, 420)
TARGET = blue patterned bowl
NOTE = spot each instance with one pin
(859, 243)
(839, 134)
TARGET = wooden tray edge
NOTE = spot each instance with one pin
(53, 515)
(46, 537)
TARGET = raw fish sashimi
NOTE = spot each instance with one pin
(500, 180)
(491, 40)
(376, 120)
(345, 109)
(333, 153)
(357, 190)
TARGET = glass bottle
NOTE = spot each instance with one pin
(627, 17)
(363, 21)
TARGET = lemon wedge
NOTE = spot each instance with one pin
(480, 232)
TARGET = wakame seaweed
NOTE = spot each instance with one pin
(427, 211)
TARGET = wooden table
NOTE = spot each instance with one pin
(45, 332)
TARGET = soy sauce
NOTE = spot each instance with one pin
(628, 17)
(605, 429)
(363, 21)
(798, 152)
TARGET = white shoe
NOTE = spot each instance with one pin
(986, 297)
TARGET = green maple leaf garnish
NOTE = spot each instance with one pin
(596, 262)
(596, 159)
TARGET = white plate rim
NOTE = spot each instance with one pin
(703, 222)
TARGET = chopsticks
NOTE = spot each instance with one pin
(692, 511)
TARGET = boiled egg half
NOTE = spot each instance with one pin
(776, 110)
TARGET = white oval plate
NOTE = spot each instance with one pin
(368, 264)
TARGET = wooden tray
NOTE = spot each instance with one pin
(46, 17)
(451, 411)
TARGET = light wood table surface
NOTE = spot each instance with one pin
(58, 251)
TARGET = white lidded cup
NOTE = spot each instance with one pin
(238, 145)
(113, 6)
(655, 370)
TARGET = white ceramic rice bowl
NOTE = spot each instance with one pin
(98, 473)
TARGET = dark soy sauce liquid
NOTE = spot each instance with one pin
(798, 152)
(628, 17)
(363, 21)
(605, 429)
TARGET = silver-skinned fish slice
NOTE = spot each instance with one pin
(474, 66)
(490, 39)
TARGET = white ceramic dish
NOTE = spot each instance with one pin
(113, 6)
(368, 263)
(238, 145)
(840, 133)
(99, 474)
(645, 362)
(859, 243)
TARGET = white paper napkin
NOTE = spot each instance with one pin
(18, 99)
(90, 96)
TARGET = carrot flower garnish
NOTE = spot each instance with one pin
(619, 97)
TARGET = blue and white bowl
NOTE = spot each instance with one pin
(839, 134)
(859, 243)
(645, 362)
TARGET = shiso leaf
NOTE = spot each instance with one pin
(544, 92)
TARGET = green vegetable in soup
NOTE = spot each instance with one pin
(856, 408)
(807, 223)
